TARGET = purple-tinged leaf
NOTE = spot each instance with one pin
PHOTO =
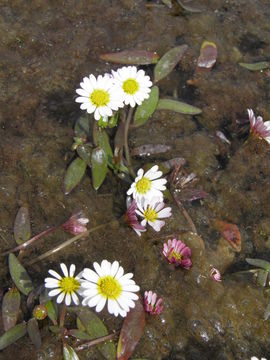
(168, 62)
(34, 333)
(191, 194)
(144, 111)
(12, 335)
(74, 174)
(131, 57)
(78, 334)
(178, 106)
(168, 165)
(33, 296)
(150, 149)
(99, 167)
(22, 227)
(131, 331)
(19, 275)
(82, 127)
(229, 232)
(10, 308)
(208, 56)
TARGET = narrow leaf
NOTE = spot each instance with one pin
(256, 66)
(177, 106)
(131, 331)
(99, 167)
(259, 263)
(69, 353)
(192, 194)
(190, 9)
(82, 127)
(95, 328)
(34, 333)
(12, 335)
(51, 311)
(168, 62)
(10, 308)
(261, 277)
(104, 142)
(85, 151)
(150, 149)
(74, 174)
(131, 57)
(144, 111)
(19, 275)
(267, 312)
(22, 228)
(81, 335)
(208, 56)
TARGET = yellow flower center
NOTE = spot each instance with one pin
(130, 86)
(150, 214)
(69, 284)
(175, 255)
(109, 287)
(143, 185)
(99, 97)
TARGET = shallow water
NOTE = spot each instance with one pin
(47, 47)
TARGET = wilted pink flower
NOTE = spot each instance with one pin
(177, 253)
(215, 275)
(151, 304)
(132, 220)
(258, 127)
(76, 224)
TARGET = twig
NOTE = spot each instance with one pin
(185, 213)
(70, 241)
(95, 342)
(127, 124)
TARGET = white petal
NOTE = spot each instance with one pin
(60, 298)
(64, 269)
(54, 292)
(93, 301)
(100, 304)
(90, 275)
(105, 267)
(75, 299)
(133, 288)
(55, 274)
(51, 284)
(98, 269)
(114, 268)
(119, 273)
(68, 299)
(72, 270)
(90, 293)
(165, 213)
(112, 304)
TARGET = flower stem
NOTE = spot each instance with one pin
(185, 213)
(62, 316)
(95, 342)
(70, 241)
(127, 124)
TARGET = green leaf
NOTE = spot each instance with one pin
(267, 312)
(85, 152)
(80, 325)
(256, 66)
(131, 331)
(144, 111)
(69, 353)
(95, 328)
(131, 57)
(261, 277)
(168, 62)
(55, 329)
(189, 8)
(34, 333)
(74, 174)
(167, 2)
(99, 167)
(22, 227)
(81, 335)
(12, 335)
(259, 263)
(177, 106)
(104, 142)
(51, 311)
(10, 308)
(82, 127)
(19, 275)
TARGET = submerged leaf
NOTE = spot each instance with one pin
(69, 353)
(34, 333)
(104, 142)
(131, 57)
(22, 227)
(189, 8)
(261, 277)
(168, 62)
(177, 106)
(229, 232)
(82, 127)
(99, 167)
(131, 331)
(167, 2)
(256, 66)
(19, 275)
(208, 56)
(191, 194)
(144, 111)
(78, 334)
(85, 151)
(74, 174)
(267, 312)
(95, 328)
(150, 149)
(259, 263)
(10, 308)
(12, 335)
(51, 311)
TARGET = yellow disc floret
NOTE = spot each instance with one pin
(109, 287)
(176, 255)
(99, 97)
(69, 284)
(150, 214)
(130, 86)
(143, 185)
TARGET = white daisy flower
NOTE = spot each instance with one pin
(108, 283)
(65, 287)
(151, 211)
(133, 83)
(99, 96)
(148, 185)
